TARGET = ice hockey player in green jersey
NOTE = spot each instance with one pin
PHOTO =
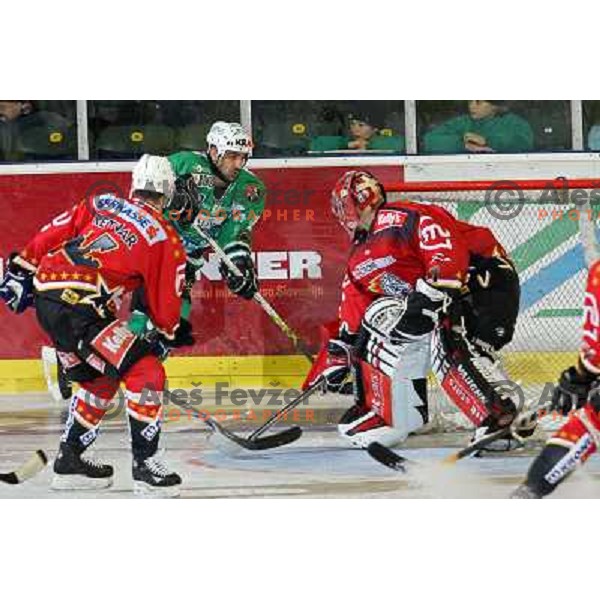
(216, 194)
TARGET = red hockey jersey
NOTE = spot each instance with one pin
(406, 242)
(590, 344)
(109, 246)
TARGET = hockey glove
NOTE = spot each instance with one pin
(337, 365)
(160, 346)
(185, 205)
(572, 390)
(246, 285)
(16, 289)
(183, 335)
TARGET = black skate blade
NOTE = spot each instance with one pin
(387, 457)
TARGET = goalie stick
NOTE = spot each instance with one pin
(265, 443)
(318, 385)
(388, 458)
(254, 441)
(30, 469)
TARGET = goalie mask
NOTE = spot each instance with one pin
(353, 193)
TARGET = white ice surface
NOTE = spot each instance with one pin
(319, 465)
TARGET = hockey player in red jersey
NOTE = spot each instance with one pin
(412, 266)
(577, 395)
(80, 265)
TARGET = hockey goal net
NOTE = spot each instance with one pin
(549, 229)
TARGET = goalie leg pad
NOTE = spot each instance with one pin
(475, 383)
(390, 379)
(392, 409)
(380, 345)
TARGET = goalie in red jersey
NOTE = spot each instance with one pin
(77, 269)
(419, 283)
(577, 395)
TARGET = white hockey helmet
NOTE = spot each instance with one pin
(153, 174)
(230, 137)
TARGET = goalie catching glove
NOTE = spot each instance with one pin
(245, 285)
(16, 288)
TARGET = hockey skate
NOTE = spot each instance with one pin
(152, 478)
(72, 471)
(361, 427)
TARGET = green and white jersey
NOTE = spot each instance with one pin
(225, 217)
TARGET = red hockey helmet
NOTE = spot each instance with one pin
(353, 192)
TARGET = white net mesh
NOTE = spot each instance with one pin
(542, 225)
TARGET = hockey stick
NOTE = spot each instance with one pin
(275, 317)
(318, 385)
(390, 459)
(32, 467)
(62, 389)
(482, 442)
(49, 363)
(265, 443)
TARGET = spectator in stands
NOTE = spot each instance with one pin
(362, 135)
(10, 112)
(30, 134)
(490, 126)
(13, 109)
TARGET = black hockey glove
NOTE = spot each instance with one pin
(16, 289)
(160, 346)
(572, 390)
(183, 335)
(246, 285)
(185, 204)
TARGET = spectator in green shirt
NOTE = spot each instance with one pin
(362, 135)
(489, 127)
